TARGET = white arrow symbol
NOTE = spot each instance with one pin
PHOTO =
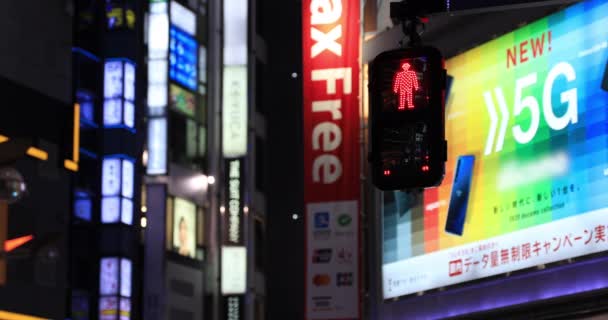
(493, 121)
(502, 104)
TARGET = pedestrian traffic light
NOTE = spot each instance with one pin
(406, 90)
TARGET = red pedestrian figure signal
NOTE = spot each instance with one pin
(404, 85)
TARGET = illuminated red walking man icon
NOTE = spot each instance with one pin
(404, 84)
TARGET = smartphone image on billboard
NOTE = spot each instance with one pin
(459, 199)
(605, 78)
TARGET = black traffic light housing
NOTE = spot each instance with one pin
(407, 118)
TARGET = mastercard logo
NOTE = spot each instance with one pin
(321, 280)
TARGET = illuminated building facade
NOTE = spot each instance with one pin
(105, 247)
(150, 156)
(204, 205)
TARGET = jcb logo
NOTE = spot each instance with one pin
(520, 133)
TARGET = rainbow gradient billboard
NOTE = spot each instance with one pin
(527, 175)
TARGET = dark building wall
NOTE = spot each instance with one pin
(285, 236)
(35, 81)
(37, 272)
(36, 45)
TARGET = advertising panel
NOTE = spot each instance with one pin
(234, 252)
(182, 100)
(157, 146)
(233, 217)
(527, 172)
(108, 308)
(184, 227)
(108, 276)
(234, 270)
(234, 116)
(183, 18)
(183, 52)
(331, 39)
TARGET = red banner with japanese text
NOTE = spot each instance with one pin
(331, 42)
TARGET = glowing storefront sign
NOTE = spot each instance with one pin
(117, 190)
(125, 277)
(331, 147)
(527, 115)
(158, 70)
(234, 116)
(182, 58)
(108, 276)
(119, 94)
(183, 18)
(115, 288)
(234, 270)
(157, 146)
(235, 86)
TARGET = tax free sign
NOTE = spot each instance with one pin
(530, 107)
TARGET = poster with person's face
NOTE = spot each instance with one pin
(184, 227)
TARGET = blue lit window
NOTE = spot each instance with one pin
(119, 94)
(87, 108)
(83, 205)
(117, 189)
(182, 58)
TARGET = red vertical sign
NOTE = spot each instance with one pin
(331, 38)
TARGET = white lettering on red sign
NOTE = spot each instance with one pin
(327, 136)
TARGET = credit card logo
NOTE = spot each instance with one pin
(321, 256)
(321, 220)
(344, 279)
(344, 220)
(321, 280)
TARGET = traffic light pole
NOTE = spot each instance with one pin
(411, 19)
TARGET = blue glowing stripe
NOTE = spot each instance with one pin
(88, 153)
(86, 54)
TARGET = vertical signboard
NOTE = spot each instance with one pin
(234, 252)
(331, 37)
(158, 48)
(234, 148)
(234, 93)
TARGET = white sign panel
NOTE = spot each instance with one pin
(129, 85)
(235, 32)
(126, 211)
(234, 115)
(158, 31)
(183, 18)
(332, 259)
(157, 146)
(129, 116)
(125, 277)
(234, 270)
(110, 177)
(566, 238)
(127, 178)
(112, 112)
(112, 83)
(108, 276)
(110, 209)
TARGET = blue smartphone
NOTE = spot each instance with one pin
(459, 200)
(605, 80)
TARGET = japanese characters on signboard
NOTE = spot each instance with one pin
(527, 171)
